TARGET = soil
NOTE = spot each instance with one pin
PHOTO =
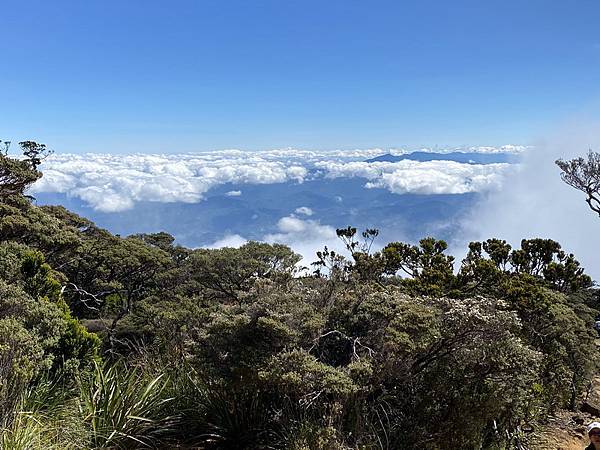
(567, 429)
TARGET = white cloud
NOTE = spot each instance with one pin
(514, 149)
(113, 183)
(429, 177)
(293, 228)
(305, 237)
(230, 240)
(233, 193)
(502, 149)
(107, 199)
(291, 225)
(304, 210)
(297, 173)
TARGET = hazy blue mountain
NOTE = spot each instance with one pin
(461, 157)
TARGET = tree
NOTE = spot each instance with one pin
(229, 273)
(584, 175)
(367, 266)
(38, 335)
(109, 275)
(16, 175)
(430, 268)
(543, 259)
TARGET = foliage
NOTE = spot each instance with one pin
(16, 175)
(229, 273)
(46, 417)
(236, 348)
(488, 262)
(426, 264)
(122, 406)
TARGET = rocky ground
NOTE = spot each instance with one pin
(567, 429)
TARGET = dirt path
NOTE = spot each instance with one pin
(567, 430)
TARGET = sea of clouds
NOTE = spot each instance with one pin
(113, 183)
(517, 201)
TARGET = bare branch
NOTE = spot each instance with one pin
(584, 175)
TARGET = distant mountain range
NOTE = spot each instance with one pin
(461, 157)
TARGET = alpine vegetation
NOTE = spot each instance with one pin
(109, 341)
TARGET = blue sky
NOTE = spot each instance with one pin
(150, 76)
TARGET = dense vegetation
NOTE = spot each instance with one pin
(129, 342)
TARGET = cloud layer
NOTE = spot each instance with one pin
(113, 183)
(431, 177)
